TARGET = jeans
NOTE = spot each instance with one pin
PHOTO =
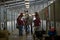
(27, 29)
(20, 30)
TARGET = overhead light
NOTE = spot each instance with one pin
(27, 6)
(26, 3)
(51, 1)
(26, 0)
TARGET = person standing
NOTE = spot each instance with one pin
(27, 23)
(37, 29)
(20, 24)
(52, 33)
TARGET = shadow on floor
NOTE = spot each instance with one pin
(49, 38)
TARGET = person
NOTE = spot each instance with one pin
(27, 23)
(37, 23)
(52, 33)
(20, 24)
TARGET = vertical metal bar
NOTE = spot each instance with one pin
(3, 15)
(54, 15)
(47, 17)
(5, 18)
(35, 6)
(42, 14)
(0, 18)
(11, 20)
(14, 18)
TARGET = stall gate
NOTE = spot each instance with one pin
(8, 18)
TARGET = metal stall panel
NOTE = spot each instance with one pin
(9, 20)
(3, 18)
(12, 15)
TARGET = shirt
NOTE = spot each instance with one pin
(37, 22)
(19, 22)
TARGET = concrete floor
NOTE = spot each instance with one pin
(15, 36)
